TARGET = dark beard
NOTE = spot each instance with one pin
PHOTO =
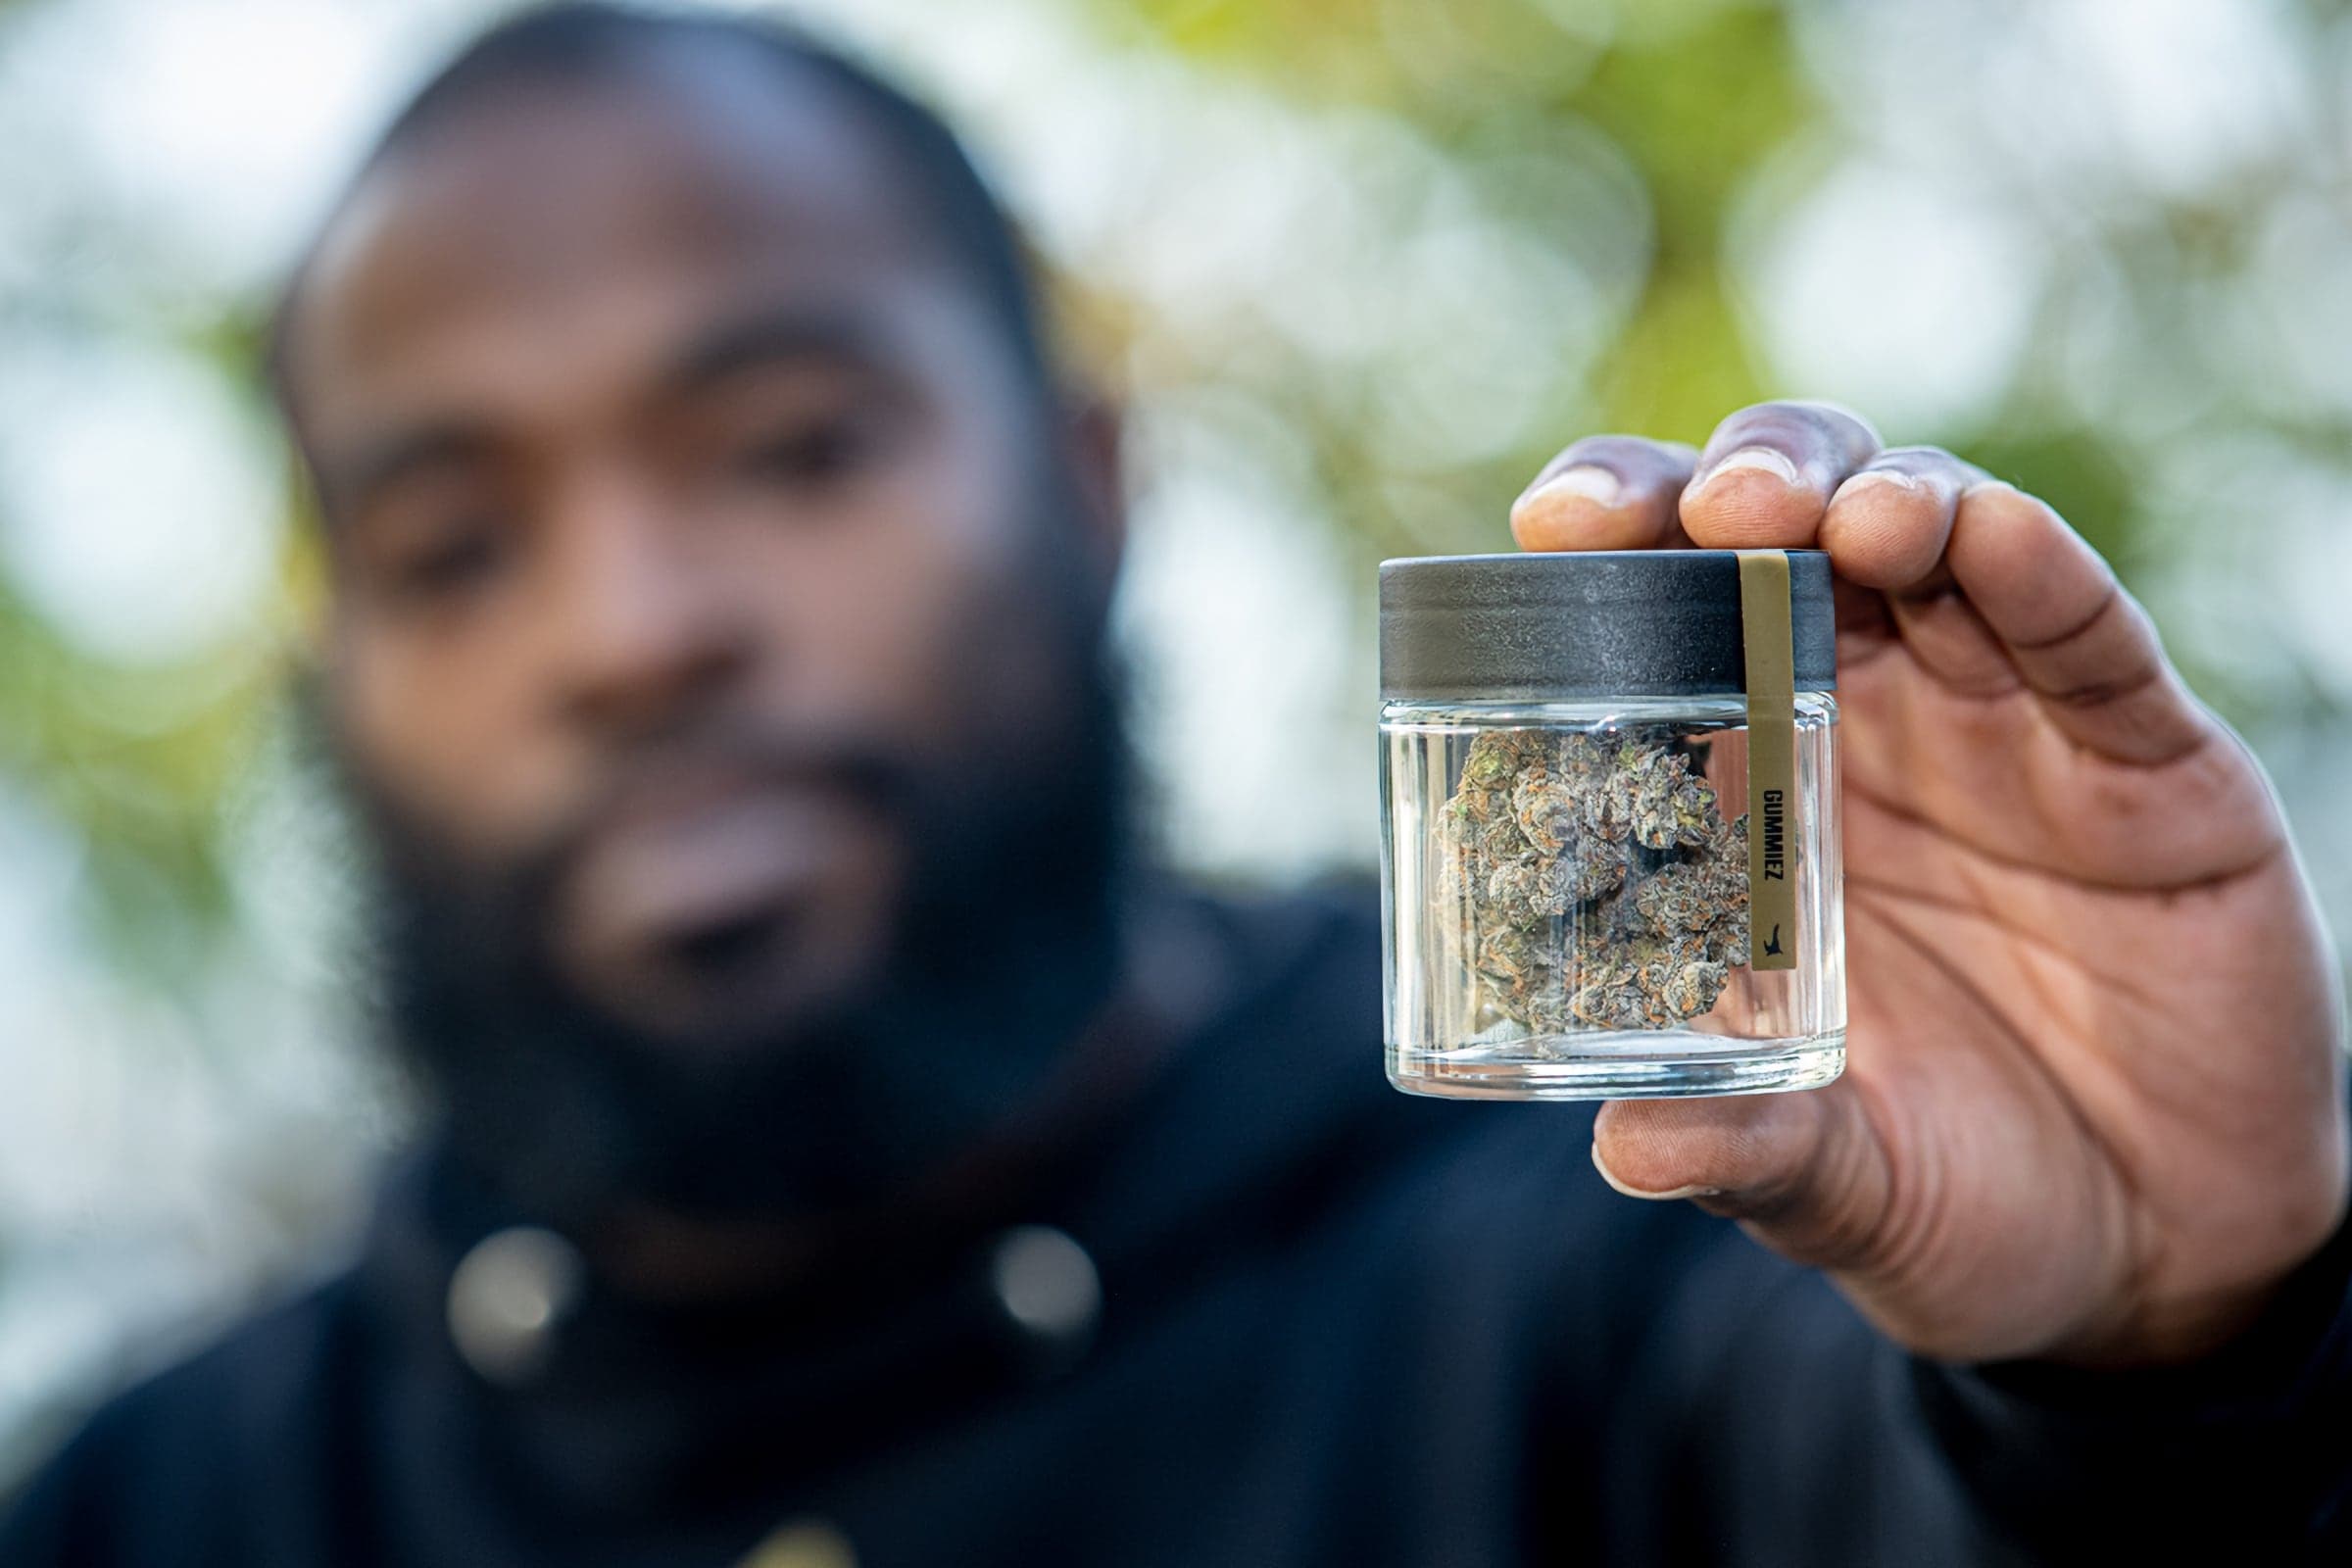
(1006, 947)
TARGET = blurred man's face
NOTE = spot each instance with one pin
(687, 516)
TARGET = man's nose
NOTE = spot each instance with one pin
(646, 623)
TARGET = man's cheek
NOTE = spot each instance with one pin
(881, 630)
(442, 748)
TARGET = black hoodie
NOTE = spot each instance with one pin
(1335, 1326)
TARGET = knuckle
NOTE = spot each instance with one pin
(1758, 420)
(2105, 691)
(1840, 424)
(1948, 474)
(1603, 445)
(1637, 448)
(1996, 494)
(1819, 409)
(1637, 461)
(1796, 422)
(1915, 458)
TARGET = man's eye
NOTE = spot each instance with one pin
(811, 454)
(456, 562)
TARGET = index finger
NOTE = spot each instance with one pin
(1605, 492)
(1766, 476)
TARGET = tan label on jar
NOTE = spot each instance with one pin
(1772, 827)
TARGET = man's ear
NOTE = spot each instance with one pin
(1093, 428)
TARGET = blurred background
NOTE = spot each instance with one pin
(1359, 266)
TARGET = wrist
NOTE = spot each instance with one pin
(2230, 1344)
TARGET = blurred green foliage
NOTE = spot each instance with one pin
(138, 763)
(1710, 99)
(1696, 98)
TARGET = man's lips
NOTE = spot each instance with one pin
(693, 854)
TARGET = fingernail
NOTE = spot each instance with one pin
(1868, 477)
(1587, 482)
(1672, 1193)
(1762, 460)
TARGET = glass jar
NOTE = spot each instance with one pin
(1609, 824)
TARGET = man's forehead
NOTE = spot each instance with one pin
(515, 211)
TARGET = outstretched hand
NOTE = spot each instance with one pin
(2094, 1107)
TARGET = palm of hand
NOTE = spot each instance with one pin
(2092, 1022)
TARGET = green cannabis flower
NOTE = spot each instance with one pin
(1597, 883)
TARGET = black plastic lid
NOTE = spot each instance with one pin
(1586, 623)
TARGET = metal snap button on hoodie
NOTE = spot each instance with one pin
(1046, 1285)
(508, 1297)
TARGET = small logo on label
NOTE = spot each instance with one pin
(1772, 943)
(1775, 814)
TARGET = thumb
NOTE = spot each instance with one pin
(1806, 1172)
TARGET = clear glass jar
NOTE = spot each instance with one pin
(1568, 874)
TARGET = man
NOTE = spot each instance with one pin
(845, 1152)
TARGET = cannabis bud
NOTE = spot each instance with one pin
(1597, 883)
